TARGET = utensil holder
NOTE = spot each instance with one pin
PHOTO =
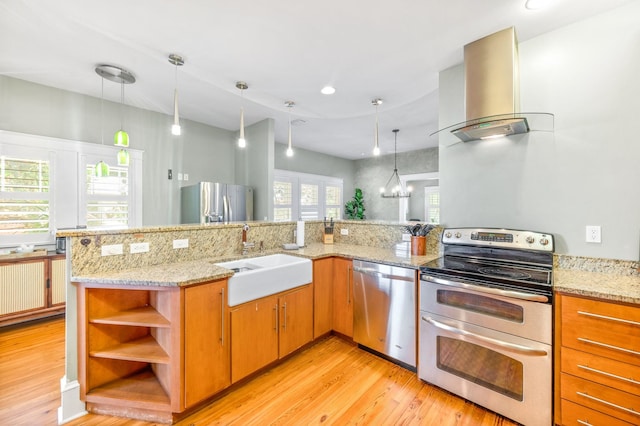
(418, 246)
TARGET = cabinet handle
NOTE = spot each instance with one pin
(284, 308)
(604, 317)
(604, 373)
(222, 317)
(610, 404)
(617, 348)
(275, 313)
(349, 284)
(584, 422)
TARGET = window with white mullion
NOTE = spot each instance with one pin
(313, 197)
(309, 201)
(283, 196)
(333, 201)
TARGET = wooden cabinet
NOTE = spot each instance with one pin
(254, 336)
(296, 319)
(206, 341)
(599, 362)
(343, 296)
(322, 296)
(269, 328)
(31, 287)
(129, 350)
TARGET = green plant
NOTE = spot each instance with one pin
(354, 209)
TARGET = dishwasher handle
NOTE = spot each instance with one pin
(375, 272)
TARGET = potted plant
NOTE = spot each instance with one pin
(354, 209)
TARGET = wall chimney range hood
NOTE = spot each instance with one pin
(492, 92)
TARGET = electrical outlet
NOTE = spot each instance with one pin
(111, 250)
(179, 176)
(138, 248)
(344, 231)
(406, 237)
(594, 234)
(181, 243)
(185, 176)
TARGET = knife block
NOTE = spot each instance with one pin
(327, 238)
(418, 246)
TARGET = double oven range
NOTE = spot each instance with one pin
(485, 330)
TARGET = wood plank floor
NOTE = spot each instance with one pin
(333, 382)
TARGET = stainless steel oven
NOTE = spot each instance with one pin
(485, 330)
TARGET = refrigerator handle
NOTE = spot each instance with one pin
(227, 209)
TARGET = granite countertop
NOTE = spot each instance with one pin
(198, 271)
(614, 287)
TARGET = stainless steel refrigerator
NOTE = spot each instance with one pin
(216, 202)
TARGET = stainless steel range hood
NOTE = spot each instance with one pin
(492, 90)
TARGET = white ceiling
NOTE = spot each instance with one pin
(284, 50)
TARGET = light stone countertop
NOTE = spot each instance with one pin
(613, 287)
(607, 286)
(199, 271)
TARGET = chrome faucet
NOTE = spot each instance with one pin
(245, 245)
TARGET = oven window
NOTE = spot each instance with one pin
(481, 304)
(481, 366)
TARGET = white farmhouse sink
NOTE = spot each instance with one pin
(266, 275)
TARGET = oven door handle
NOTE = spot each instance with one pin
(489, 290)
(511, 347)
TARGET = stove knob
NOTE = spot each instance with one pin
(530, 239)
(448, 235)
(458, 235)
(544, 241)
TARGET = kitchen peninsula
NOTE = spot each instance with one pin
(153, 299)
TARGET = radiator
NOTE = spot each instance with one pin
(58, 281)
(22, 287)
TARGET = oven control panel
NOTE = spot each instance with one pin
(499, 237)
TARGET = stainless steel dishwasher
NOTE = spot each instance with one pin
(384, 309)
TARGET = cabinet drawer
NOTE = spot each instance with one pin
(601, 328)
(578, 415)
(618, 375)
(613, 402)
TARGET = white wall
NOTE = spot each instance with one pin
(587, 172)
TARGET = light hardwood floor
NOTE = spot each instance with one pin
(332, 382)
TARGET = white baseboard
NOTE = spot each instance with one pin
(71, 407)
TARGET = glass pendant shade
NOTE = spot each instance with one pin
(121, 138)
(101, 169)
(242, 142)
(176, 130)
(289, 105)
(123, 157)
(376, 145)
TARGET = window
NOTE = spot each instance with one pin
(282, 200)
(47, 184)
(432, 204)
(25, 198)
(305, 196)
(107, 204)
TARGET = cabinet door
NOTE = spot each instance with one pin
(343, 296)
(296, 319)
(254, 336)
(206, 343)
(322, 296)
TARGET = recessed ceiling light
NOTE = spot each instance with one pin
(328, 90)
(536, 4)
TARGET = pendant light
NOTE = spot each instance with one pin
(178, 61)
(101, 169)
(242, 142)
(289, 104)
(376, 146)
(121, 76)
(393, 188)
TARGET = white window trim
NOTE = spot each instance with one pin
(427, 191)
(403, 206)
(70, 151)
(298, 178)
